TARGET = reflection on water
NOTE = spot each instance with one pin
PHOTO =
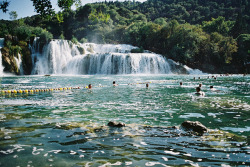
(68, 128)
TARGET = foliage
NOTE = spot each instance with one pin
(243, 56)
(45, 36)
(13, 15)
(65, 4)
(43, 7)
(61, 36)
(74, 40)
(99, 16)
(218, 25)
(137, 50)
(83, 40)
(4, 6)
(23, 33)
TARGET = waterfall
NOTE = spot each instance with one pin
(19, 64)
(64, 57)
(1, 63)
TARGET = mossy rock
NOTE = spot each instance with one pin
(8, 61)
(81, 50)
(26, 61)
(90, 49)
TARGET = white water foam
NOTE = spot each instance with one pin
(19, 63)
(63, 57)
(1, 66)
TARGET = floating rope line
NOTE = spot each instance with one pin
(3, 92)
(36, 90)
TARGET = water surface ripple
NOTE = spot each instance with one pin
(69, 127)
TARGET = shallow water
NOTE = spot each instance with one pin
(68, 128)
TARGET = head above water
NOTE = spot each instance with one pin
(198, 89)
(90, 86)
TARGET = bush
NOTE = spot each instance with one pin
(137, 50)
(23, 33)
(74, 40)
(61, 37)
(37, 31)
(83, 40)
(45, 36)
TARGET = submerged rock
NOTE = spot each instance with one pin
(115, 124)
(194, 126)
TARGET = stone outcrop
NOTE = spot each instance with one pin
(116, 124)
(194, 126)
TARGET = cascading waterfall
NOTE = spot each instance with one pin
(64, 57)
(1, 66)
(19, 63)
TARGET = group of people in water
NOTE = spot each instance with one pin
(198, 89)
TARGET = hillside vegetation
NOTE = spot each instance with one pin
(212, 35)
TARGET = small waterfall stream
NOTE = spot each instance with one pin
(1, 63)
(19, 64)
(64, 57)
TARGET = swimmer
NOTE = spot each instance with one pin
(199, 92)
(114, 84)
(90, 86)
(180, 83)
(200, 85)
(213, 89)
(147, 85)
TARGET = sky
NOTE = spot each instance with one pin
(25, 8)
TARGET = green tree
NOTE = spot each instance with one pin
(13, 15)
(65, 4)
(239, 26)
(243, 56)
(218, 25)
(4, 6)
(23, 33)
(43, 7)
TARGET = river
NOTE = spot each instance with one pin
(69, 127)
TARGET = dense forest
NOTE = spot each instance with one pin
(211, 35)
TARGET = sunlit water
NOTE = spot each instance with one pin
(69, 127)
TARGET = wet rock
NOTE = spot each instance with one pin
(115, 124)
(194, 126)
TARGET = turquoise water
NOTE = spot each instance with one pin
(68, 128)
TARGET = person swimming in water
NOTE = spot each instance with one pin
(181, 83)
(147, 85)
(213, 89)
(199, 92)
(90, 86)
(114, 84)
